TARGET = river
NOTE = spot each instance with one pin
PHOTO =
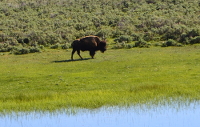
(134, 116)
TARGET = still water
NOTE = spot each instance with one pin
(136, 116)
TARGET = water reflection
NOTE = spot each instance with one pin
(137, 116)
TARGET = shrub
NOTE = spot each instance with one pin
(5, 47)
(130, 45)
(169, 42)
(193, 33)
(65, 46)
(136, 37)
(20, 50)
(179, 45)
(164, 44)
(184, 39)
(104, 32)
(157, 44)
(124, 38)
(118, 45)
(56, 46)
(3, 50)
(148, 36)
(123, 45)
(34, 49)
(142, 43)
(41, 46)
(195, 40)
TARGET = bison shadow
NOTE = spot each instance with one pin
(60, 61)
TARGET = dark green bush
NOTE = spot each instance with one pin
(41, 46)
(195, 40)
(105, 32)
(169, 42)
(142, 44)
(136, 37)
(157, 44)
(194, 32)
(5, 47)
(184, 39)
(179, 45)
(66, 46)
(164, 44)
(119, 45)
(56, 46)
(130, 46)
(20, 50)
(34, 49)
(124, 38)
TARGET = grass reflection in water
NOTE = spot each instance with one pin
(175, 115)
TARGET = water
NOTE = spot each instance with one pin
(138, 116)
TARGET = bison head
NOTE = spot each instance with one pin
(102, 46)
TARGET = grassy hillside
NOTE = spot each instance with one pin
(48, 22)
(49, 80)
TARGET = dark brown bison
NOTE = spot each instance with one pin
(88, 43)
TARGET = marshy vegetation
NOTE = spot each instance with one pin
(49, 81)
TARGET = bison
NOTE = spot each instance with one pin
(88, 43)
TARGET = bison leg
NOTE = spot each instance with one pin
(73, 51)
(78, 52)
(92, 53)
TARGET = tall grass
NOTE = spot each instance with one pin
(50, 81)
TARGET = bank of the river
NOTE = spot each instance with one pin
(50, 81)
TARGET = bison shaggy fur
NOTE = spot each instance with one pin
(88, 43)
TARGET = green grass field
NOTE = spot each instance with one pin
(50, 81)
